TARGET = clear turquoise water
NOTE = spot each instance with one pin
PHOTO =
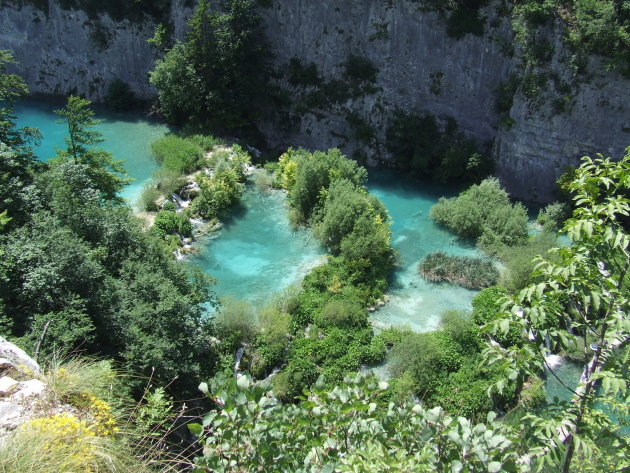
(128, 137)
(413, 301)
(569, 373)
(256, 252)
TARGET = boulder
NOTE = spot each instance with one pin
(17, 356)
(7, 385)
(33, 387)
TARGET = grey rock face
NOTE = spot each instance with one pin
(17, 356)
(421, 69)
(65, 52)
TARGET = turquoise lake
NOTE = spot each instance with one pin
(128, 136)
(256, 253)
(413, 301)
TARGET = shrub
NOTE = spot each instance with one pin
(483, 212)
(177, 154)
(422, 144)
(303, 76)
(533, 394)
(168, 181)
(217, 194)
(313, 171)
(271, 342)
(359, 69)
(473, 273)
(341, 313)
(552, 217)
(460, 327)
(487, 307)
(236, 323)
(519, 260)
(263, 181)
(427, 357)
(169, 222)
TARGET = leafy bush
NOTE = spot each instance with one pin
(519, 260)
(149, 197)
(487, 307)
(427, 357)
(359, 69)
(169, 222)
(461, 328)
(533, 394)
(217, 194)
(235, 323)
(343, 314)
(271, 342)
(177, 154)
(349, 428)
(552, 217)
(303, 76)
(474, 273)
(314, 171)
(483, 212)
(168, 181)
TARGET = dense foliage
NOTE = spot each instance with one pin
(215, 76)
(484, 213)
(583, 292)
(599, 27)
(349, 428)
(423, 145)
(471, 272)
(86, 421)
(444, 368)
(79, 272)
(362, 425)
(224, 187)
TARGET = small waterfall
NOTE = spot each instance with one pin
(180, 203)
(239, 355)
(553, 361)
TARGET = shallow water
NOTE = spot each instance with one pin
(569, 374)
(413, 301)
(256, 252)
(128, 137)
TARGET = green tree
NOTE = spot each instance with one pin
(216, 76)
(584, 292)
(108, 174)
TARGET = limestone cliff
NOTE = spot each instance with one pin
(420, 69)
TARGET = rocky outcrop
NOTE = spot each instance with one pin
(13, 356)
(19, 390)
(420, 69)
(63, 51)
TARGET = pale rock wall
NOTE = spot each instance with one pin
(411, 46)
(58, 54)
